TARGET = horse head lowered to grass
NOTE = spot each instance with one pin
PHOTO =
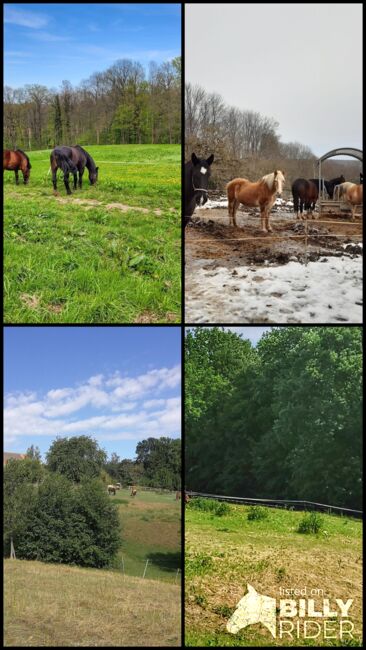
(72, 160)
(15, 161)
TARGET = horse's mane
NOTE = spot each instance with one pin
(268, 179)
(25, 155)
(90, 162)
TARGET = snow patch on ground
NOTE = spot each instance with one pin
(326, 291)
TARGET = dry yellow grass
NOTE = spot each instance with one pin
(58, 605)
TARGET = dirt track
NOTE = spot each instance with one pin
(210, 238)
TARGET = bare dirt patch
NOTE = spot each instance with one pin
(211, 238)
(32, 302)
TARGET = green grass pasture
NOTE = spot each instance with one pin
(110, 253)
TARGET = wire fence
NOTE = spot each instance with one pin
(282, 503)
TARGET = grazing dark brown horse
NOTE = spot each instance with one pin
(305, 193)
(72, 160)
(196, 176)
(15, 160)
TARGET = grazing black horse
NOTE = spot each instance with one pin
(196, 174)
(304, 193)
(74, 160)
(329, 185)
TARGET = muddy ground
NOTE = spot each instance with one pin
(210, 241)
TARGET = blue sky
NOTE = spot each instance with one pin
(251, 333)
(121, 385)
(49, 43)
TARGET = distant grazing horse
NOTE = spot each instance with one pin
(15, 160)
(118, 486)
(186, 497)
(353, 196)
(304, 193)
(262, 193)
(133, 491)
(251, 609)
(178, 496)
(72, 160)
(111, 489)
(329, 185)
(196, 174)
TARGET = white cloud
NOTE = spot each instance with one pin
(29, 414)
(24, 17)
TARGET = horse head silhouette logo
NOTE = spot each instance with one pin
(253, 608)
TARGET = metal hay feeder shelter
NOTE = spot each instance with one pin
(325, 204)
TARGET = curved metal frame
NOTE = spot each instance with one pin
(341, 151)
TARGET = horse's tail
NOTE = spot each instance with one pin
(29, 166)
(63, 162)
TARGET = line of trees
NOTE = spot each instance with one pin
(282, 420)
(122, 105)
(246, 143)
(59, 511)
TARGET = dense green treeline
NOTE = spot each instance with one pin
(281, 420)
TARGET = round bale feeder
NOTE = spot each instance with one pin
(331, 205)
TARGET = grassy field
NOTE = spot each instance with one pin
(57, 606)
(110, 253)
(224, 553)
(150, 524)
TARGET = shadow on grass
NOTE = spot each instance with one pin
(166, 561)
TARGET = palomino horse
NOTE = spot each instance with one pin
(111, 489)
(304, 193)
(74, 160)
(251, 609)
(196, 174)
(353, 196)
(260, 194)
(339, 190)
(15, 160)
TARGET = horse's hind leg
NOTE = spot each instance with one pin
(75, 175)
(16, 176)
(236, 204)
(54, 180)
(267, 214)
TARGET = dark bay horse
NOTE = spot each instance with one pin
(15, 160)
(305, 194)
(329, 185)
(196, 174)
(72, 160)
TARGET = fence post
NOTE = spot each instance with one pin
(147, 562)
(176, 576)
(12, 550)
(123, 566)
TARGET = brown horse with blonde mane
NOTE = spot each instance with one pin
(260, 194)
(17, 160)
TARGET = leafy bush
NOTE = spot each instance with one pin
(257, 513)
(57, 521)
(311, 523)
(209, 505)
